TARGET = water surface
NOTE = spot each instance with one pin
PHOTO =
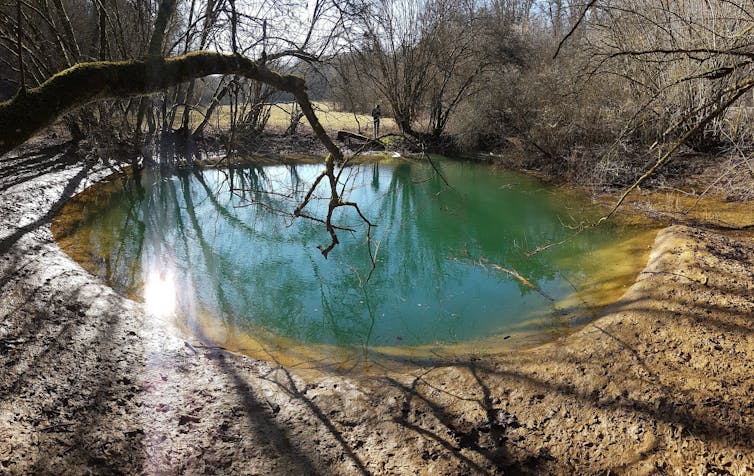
(219, 249)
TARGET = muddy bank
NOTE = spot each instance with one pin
(662, 383)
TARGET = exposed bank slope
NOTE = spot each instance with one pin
(662, 382)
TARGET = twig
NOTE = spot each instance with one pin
(742, 88)
(574, 27)
(522, 280)
(482, 261)
(51, 428)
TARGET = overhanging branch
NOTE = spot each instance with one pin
(33, 109)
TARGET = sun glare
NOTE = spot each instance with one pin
(159, 294)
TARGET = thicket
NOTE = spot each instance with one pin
(595, 90)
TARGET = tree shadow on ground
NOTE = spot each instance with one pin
(457, 435)
(261, 421)
(17, 169)
(677, 411)
(290, 387)
(289, 444)
(63, 382)
(68, 191)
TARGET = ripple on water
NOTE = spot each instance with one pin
(218, 251)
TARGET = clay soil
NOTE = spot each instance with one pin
(660, 384)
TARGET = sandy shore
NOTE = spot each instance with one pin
(660, 384)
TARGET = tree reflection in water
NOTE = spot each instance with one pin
(229, 244)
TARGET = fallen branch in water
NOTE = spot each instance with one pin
(522, 280)
(482, 261)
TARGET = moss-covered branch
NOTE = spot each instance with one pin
(33, 109)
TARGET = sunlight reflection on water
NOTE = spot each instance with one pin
(160, 294)
(203, 251)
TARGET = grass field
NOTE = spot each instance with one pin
(331, 119)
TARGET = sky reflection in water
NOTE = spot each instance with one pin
(191, 247)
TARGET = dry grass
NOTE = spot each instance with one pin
(280, 114)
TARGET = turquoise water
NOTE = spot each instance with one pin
(223, 243)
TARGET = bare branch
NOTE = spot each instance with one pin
(742, 88)
(574, 27)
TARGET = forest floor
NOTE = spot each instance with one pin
(661, 383)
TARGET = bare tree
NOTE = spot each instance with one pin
(89, 82)
(53, 35)
(423, 58)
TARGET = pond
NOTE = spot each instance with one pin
(219, 251)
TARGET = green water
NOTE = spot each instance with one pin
(191, 247)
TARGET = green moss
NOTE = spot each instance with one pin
(29, 111)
